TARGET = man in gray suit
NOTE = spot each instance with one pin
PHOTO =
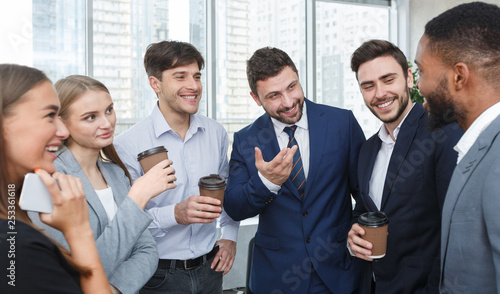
(459, 61)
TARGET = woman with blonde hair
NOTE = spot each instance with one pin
(117, 216)
(30, 130)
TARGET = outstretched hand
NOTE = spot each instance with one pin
(277, 170)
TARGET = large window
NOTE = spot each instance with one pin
(244, 26)
(122, 30)
(106, 39)
(340, 29)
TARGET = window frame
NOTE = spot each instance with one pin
(398, 8)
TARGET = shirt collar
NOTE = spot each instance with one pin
(384, 135)
(302, 123)
(476, 128)
(161, 125)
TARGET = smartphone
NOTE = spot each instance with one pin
(34, 195)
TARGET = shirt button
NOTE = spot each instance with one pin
(308, 240)
(304, 213)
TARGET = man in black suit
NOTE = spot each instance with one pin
(404, 171)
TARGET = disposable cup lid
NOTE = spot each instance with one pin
(150, 152)
(212, 182)
(373, 219)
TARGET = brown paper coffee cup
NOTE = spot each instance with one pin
(375, 225)
(212, 186)
(151, 157)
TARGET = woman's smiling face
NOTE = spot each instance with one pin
(33, 131)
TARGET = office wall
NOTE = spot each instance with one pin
(421, 11)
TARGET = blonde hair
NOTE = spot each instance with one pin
(73, 87)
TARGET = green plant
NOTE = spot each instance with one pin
(414, 92)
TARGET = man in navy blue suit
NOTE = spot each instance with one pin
(404, 170)
(295, 167)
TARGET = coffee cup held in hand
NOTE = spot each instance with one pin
(212, 186)
(151, 157)
(375, 225)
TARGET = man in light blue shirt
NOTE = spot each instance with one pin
(192, 259)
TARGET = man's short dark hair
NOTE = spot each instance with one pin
(468, 33)
(372, 49)
(170, 54)
(266, 63)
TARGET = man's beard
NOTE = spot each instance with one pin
(402, 107)
(442, 110)
(286, 120)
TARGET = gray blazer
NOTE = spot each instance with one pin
(127, 250)
(470, 232)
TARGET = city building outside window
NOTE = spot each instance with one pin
(106, 39)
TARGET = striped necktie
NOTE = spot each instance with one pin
(297, 175)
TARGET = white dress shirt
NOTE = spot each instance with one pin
(379, 173)
(477, 127)
(302, 137)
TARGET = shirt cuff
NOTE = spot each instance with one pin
(271, 186)
(349, 249)
(230, 232)
(168, 217)
(163, 220)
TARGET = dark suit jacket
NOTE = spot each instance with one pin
(294, 232)
(470, 236)
(419, 171)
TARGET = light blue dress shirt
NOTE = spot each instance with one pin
(203, 152)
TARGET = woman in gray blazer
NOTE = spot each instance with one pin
(116, 209)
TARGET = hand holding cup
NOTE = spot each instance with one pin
(375, 225)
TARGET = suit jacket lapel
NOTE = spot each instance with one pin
(368, 161)
(111, 180)
(460, 177)
(92, 198)
(403, 144)
(457, 182)
(268, 143)
(317, 136)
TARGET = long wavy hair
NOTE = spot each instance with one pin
(69, 90)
